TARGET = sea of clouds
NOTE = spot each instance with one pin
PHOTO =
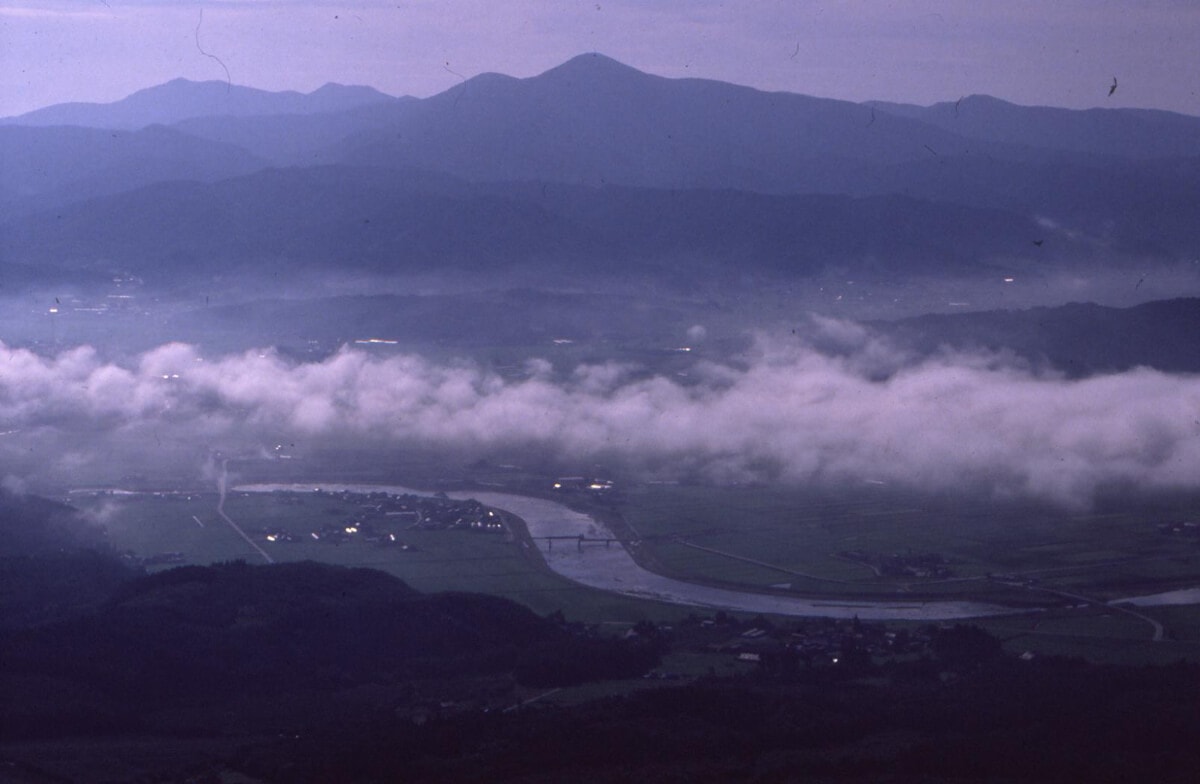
(840, 406)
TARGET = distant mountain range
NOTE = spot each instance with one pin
(1140, 134)
(1076, 339)
(181, 99)
(366, 218)
(590, 162)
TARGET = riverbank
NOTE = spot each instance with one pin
(590, 554)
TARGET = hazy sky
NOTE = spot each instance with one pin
(1063, 53)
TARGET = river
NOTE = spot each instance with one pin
(612, 568)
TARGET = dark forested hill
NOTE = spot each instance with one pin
(44, 168)
(298, 139)
(341, 218)
(182, 650)
(54, 564)
(593, 162)
(1076, 339)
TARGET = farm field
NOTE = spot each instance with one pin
(751, 537)
(169, 529)
(826, 540)
(1098, 635)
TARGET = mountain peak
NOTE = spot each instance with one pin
(591, 65)
(182, 86)
(339, 89)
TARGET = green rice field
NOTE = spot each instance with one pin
(771, 536)
(152, 525)
(1015, 552)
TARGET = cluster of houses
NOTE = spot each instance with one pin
(380, 516)
(918, 565)
(1180, 529)
(583, 484)
(816, 642)
(173, 558)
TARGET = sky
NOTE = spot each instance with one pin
(1064, 53)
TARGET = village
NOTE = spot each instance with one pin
(919, 565)
(723, 645)
(783, 647)
(1189, 529)
(381, 518)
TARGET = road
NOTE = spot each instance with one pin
(222, 481)
(1158, 631)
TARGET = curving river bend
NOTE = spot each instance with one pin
(612, 568)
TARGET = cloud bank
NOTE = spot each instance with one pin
(785, 412)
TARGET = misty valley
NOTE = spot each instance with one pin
(597, 426)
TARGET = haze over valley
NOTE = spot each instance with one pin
(691, 379)
(603, 265)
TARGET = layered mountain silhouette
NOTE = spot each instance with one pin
(1128, 133)
(44, 168)
(181, 99)
(590, 162)
(1077, 339)
(406, 220)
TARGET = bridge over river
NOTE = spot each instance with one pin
(611, 568)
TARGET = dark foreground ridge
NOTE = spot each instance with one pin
(1003, 721)
(308, 673)
(176, 650)
(305, 672)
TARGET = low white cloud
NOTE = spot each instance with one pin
(786, 412)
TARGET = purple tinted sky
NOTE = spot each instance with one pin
(1062, 53)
